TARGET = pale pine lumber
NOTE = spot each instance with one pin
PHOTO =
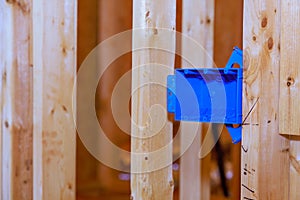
(16, 99)
(4, 16)
(294, 178)
(54, 49)
(197, 24)
(158, 182)
(289, 98)
(265, 164)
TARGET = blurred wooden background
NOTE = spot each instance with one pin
(101, 19)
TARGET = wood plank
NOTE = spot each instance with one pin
(4, 17)
(16, 73)
(150, 136)
(294, 178)
(289, 100)
(228, 29)
(115, 16)
(229, 33)
(55, 35)
(86, 164)
(198, 24)
(265, 159)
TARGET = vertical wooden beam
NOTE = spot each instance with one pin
(5, 16)
(265, 164)
(228, 29)
(54, 73)
(114, 17)
(88, 23)
(289, 114)
(294, 178)
(289, 99)
(16, 96)
(198, 24)
(86, 164)
(151, 131)
(229, 33)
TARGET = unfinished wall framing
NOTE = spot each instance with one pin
(198, 25)
(38, 70)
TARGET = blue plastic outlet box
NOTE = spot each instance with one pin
(211, 95)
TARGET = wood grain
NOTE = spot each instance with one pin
(197, 24)
(289, 100)
(114, 17)
(150, 129)
(294, 179)
(265, 164)
(55, 35)
(16, 99)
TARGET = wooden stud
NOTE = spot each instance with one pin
(289, 100)
(289, 89)
(151, 131)
(265, 159)
(86, 164)
(228, 29)
(294, 178)
(114, 17)
(5, 16)
(88, 23)
(55, 35)
(198, 24)
(16, 99)
(229, 33)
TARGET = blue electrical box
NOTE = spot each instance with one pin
(212, 95)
